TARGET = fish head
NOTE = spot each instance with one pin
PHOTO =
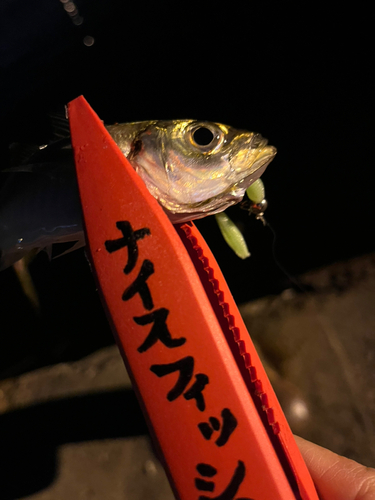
(196, 168)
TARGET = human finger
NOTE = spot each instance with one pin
(337, 477)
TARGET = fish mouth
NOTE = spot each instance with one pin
(233, 194)
(263, 157)
(261, 161)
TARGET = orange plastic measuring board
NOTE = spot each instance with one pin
(208, 402)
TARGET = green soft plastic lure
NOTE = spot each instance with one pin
(256, 204)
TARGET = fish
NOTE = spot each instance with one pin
(193, 168)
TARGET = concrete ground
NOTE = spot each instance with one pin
(75, 431)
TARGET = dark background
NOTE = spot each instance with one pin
(297, 73)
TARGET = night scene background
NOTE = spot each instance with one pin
(297, 73)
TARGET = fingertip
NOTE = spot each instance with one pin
(337, 477)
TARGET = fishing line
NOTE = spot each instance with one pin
(334, 341)
(290, 277)
(256, 204)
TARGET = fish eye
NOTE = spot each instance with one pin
(203, 136)
(206, 137)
